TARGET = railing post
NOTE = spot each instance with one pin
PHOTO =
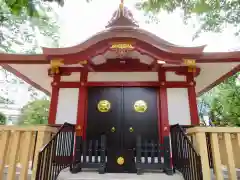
(202, 145)
(76, 167)
(3, 151)
(216, 156)
(138, 155)
(103, 155)
(167, 156)
(27, 143)
(230, 157)
(13, 155)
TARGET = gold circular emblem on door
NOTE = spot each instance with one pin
(140, 106)
(104, 106)
(120, 160)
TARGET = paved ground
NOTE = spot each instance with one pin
(93, 175)
(88, 175)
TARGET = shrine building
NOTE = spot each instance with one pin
(122, 82)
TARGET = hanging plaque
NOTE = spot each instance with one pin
(140, 106)
(104, 106)
(121, 49)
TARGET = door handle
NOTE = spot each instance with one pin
(113, 129)
(131, 129)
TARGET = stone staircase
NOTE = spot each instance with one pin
(93, 175)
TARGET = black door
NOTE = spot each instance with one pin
(104, 121)
(140, 115)
(132, 112)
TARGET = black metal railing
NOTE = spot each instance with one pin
(57, 154)
(209, 150)
(90, 154)
(149, 155)
(185, 159)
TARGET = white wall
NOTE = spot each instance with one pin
(122, 76)
(178, 103)
(67, 106)
(178, 106)
(172, 76)
(74, 77)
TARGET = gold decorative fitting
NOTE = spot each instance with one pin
(122, 46)
(104, 106)
(121, 6)
(78, 127)
(140, 106)
(162, 83)
(191, 69)
(83, 62)
(191, 63)
(55, 64)
(121, 49)
(120, 160)
(131, 129)
(191, 83)
(113, 129)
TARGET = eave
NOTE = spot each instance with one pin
(126, 33)
(144, 42)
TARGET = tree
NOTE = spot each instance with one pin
(223, 103)
(19, 31)
(21, 22)
(33, 8)
(226, 105)
(6, 101)
(18, 34)
(35, 112)
(3, 119)
(213, 15)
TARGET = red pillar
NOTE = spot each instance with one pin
(192, 97)
(82, 105)
(54, 100)
(163, 122)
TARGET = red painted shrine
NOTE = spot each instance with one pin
(123, 80)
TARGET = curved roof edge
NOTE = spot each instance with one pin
(27, 58)
(126, 32)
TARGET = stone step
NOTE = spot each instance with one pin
(93, 175)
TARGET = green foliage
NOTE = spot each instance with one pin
(224, 103)
(213, 15)
(21, 21)
(32, 8)
(3, 119)
(18, 30)
(35, 112)
(18, 34)
(6, 101)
